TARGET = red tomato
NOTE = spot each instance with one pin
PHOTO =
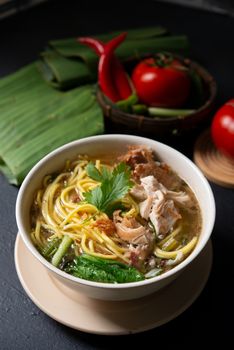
(164, 85)
(222, 128)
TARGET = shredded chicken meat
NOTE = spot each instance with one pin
(157, 207)
(139, 237)
(142, 162)
(130, 230)
(155, 189)
(156, 192)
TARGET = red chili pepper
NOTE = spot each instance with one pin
(95, 44)
(104, 69)
(120, 79)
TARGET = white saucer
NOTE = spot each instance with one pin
(110, 317)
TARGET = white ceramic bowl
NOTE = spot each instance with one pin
(108, 144)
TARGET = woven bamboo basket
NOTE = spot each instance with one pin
(162, 126)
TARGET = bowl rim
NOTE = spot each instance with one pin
(29, 244)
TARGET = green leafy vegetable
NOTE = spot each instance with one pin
(102, 270)
(114, 185)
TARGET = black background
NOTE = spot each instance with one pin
(22, 324)
(225, 6)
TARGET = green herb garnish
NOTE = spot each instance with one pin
(114, 186)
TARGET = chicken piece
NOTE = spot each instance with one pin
(137, 155)
(163, 215)
(159, 206)
(139, 253)
(150, 185)
(162, 173)
(140, 238)
(138, 193)
(181, 198)
(146, 207)
(142, 162)
(130, 230)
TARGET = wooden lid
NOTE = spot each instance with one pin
(215, 166)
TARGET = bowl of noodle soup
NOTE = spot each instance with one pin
(116, 217)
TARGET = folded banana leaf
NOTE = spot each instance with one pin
(67, 63)
(62, 72)
(35, 119)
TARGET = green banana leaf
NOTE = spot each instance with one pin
(64, 73)
(35, 119)
(70, 47)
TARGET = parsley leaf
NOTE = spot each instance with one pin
(94, 197)
(114, 186)
(95, 174)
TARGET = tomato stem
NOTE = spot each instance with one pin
(162, 59)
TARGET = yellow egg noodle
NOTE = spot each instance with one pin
(63, 211)
(60, 215)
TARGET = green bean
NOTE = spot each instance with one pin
(169, 112)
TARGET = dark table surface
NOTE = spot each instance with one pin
(22, 324)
